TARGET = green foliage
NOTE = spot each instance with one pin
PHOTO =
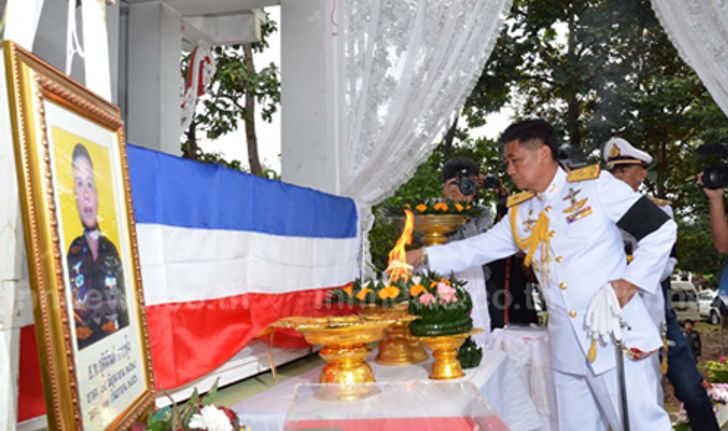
(225, 106)
(218, 159)
(600, 68)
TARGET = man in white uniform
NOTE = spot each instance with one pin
(630, 164)
(568, 226)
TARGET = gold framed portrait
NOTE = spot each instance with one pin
(81, 248)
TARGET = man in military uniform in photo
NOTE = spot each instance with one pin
(94, 266)
(630, 165)
(568, 226)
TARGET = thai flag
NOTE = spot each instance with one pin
(223, 254)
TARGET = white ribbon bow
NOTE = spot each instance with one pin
(604, 315)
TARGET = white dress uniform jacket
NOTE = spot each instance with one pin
(655, 303)
(584, 251)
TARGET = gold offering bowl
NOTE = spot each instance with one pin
(435, 227)
(398, 347)
(445, 354)
(345, 344)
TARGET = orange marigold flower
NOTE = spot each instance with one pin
(421, 208)
(459, 207)
(441, 206)
(389, 292)
(467, 207)
(348, 289)
(445, 280)
(363, 293)
(433, 284)
(416, 289)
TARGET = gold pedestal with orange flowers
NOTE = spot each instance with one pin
(435, 227)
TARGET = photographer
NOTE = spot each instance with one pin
(718, 223)
(508, 296)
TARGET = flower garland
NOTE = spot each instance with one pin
(439, 206)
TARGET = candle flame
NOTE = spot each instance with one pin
(398, 267)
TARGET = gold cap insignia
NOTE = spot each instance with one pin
(614, 152)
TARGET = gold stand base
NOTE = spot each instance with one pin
(445, 354)
(346, 368)
(399, 348)
(346, 365)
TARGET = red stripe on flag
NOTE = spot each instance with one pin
(191, 339)
(30, 399)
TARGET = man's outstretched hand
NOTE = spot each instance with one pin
(416, 257)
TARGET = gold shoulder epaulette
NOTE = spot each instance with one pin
(519, 198)
(590, 172)
(659, 202)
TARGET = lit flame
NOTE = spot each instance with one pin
(398, 267)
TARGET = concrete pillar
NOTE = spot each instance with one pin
(153, 79)
(312, 104)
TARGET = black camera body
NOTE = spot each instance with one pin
(715, 177)
(469, 186)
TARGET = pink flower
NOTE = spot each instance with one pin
(446, 293)
(721, 359)
(427, 299)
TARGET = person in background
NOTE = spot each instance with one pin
(630, 165)
(454, 170)
(693, 336)
(507, 297)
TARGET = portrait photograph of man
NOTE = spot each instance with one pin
(95, 270)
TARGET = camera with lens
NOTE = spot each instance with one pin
(469, 186)
(715, 177)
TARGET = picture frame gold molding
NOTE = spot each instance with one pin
(30, 80)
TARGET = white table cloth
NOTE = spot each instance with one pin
(497, 378)
(528, 347)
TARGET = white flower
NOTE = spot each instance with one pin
(211, 418)
(416, 279)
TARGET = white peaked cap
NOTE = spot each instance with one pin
(618, 151)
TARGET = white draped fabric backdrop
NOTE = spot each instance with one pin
(699, 31)
(410, 65)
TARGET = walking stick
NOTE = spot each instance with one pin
(622, 383)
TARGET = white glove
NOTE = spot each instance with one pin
(604, 315)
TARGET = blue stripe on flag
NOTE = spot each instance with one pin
(173, 191)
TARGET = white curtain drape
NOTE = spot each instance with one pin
(699, 31)
(410, 65)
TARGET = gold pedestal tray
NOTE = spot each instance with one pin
(345, 340)
(445, 354)
(435, 227)
(398, 347)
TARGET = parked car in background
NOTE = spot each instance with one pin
(708, 311)
(684, 299)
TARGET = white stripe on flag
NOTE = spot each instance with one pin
(184, 264)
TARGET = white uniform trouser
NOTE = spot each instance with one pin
(592, 402)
